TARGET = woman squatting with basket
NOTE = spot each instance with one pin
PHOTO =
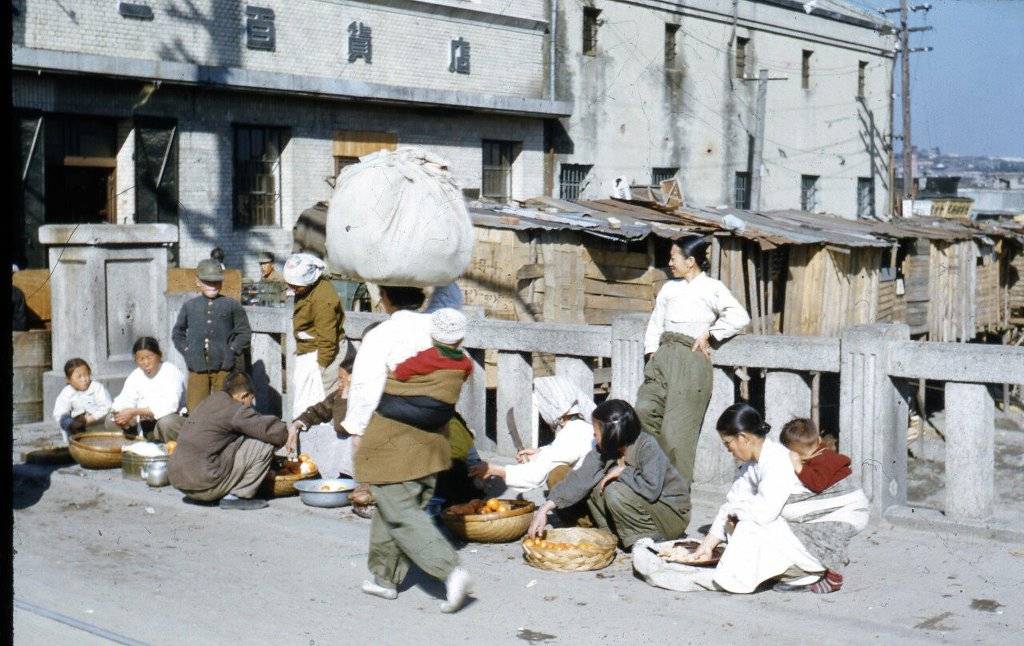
(629, 484)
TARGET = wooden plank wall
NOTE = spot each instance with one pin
(991, 316)
(830, 289)
(952, 291)
(916, 281)
(617, 280)
(1014, 279)
(501, 273)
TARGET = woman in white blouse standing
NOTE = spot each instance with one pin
(153, 395)
(688, 313)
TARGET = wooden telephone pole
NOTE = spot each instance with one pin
(758, 153)
(905, 50)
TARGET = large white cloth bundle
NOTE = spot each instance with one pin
(398, 218)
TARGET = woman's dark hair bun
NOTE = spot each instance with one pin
(742, 418)
(695, 247)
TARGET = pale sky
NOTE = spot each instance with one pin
(967, 95)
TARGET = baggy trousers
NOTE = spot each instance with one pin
(248, 471)
(625, 512)
(401, 532)
(673, 399)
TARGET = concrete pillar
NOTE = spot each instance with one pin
(872, 415)
(287, 411)
(970, 452)
(628, 355)
(472, 404)
(786, 395)
(174, 304)
(267, 373)
(715, 465)
(515, 397)
(578, 371)
(107, 288)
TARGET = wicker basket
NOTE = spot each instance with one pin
(575, 559)
(279, 485)
(493, 527)
(97, 449)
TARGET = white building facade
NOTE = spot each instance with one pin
(230, 118)
(665, 88)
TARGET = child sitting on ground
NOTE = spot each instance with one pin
(83, 402)
(822, 470)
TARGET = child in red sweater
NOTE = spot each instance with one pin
(818, 466)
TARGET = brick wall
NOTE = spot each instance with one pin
(411, 45)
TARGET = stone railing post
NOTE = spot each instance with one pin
(872, 414)
(714, 465)
(786, 395)
(628, 355)
(515, 394)
(472, 403)
(970, 452)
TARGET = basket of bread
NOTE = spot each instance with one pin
(493, 521)
(285, 472)
(571, 549)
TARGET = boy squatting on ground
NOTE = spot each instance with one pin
(212, 333)
(83, 402)
(819, 468)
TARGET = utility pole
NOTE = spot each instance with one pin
(758, 154)
(905, 51)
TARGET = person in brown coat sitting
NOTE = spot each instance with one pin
(226, 448)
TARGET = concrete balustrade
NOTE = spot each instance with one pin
(873, 415)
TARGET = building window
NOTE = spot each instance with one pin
(809, 193)
(80, 169)
(862, 73)
(741, 191)
(805, 70)
(257, 175)
(671, 54)
(156, 171)
(498, 157)
(590, 24)
(659, 175)
(571, 180)
(349, 145)
(741, 57)
(865, 197)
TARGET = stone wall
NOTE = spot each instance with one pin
(204, 120)
(634, 113)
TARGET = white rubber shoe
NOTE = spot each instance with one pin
(458, 585)
(369, 587)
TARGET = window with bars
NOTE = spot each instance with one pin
(809, 193)
(741, 56)
(571, 180)
(741, 191)
(862, 74)
(671, 52)
(257, 175)
(865, 197)
(590, 24)
(659, 175)
(805, 69)
(498, 158)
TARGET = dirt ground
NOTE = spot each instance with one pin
(98, 553)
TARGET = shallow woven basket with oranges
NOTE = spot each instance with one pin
(571, 549)
(494, 521)
(284, 473)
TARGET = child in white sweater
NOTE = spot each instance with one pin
(83, 402)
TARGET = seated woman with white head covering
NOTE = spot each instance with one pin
(566, 409)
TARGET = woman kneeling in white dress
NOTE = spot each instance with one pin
(756, 518)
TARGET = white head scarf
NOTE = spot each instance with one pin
(303, 269)
(448, 325)
(556, 397)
